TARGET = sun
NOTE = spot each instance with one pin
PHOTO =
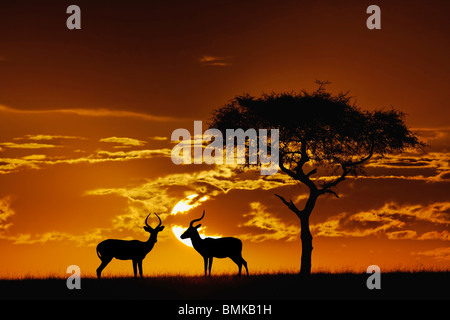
(188, 203)
(178, 231)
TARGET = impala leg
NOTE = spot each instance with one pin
(245, 265)
(210, 264)
(140, 268)
(205, 260)
(135, 268)
(240, 261)
(102, 266)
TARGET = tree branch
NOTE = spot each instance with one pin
(313, 171)
(357, 163)
(345, 171)
(297, 172)
(304, 154)
(332, 184)
(331, 192)
(290, 205)
(286, 170)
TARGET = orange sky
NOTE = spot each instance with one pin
(86, 118)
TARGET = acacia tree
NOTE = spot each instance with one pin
(323, 139)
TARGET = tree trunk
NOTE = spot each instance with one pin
(306, 239)
(305, 233)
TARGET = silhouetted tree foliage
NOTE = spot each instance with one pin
(318, 131)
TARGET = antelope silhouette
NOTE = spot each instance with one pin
(134, 250)
(209, 248)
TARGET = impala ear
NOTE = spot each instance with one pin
(161, 228)
(198, 226)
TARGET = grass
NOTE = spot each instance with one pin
(281, 286)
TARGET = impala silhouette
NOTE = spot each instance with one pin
(209, 248)
(134, 250)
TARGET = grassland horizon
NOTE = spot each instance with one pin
(155, 274)
(281, 286)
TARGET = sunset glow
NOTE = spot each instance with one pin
(86, 118)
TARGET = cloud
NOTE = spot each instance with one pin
(405, 234)
(430, 167)
(30, 145)
(35, 157)
(208, 60)
(268, 227)
(431, 135)
(125, 142)
(392, 220)
(39, 160)
(412, 159)
(361, 224)
(219, 179)
(442, 253)
(47, 137)
(93, 113)
(435, 235)
(6, 212)
(10, 165)
(129, 155)
(443, 176)
(158, 138)
(87, 239)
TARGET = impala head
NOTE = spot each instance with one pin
(192, 230)
(153, 230)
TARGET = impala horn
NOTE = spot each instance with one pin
(192, 222)
(160, 222)
(146, 221)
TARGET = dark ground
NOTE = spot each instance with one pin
(396, 285)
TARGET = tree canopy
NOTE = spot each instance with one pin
(319, 129)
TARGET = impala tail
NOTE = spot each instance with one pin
(98, 253)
